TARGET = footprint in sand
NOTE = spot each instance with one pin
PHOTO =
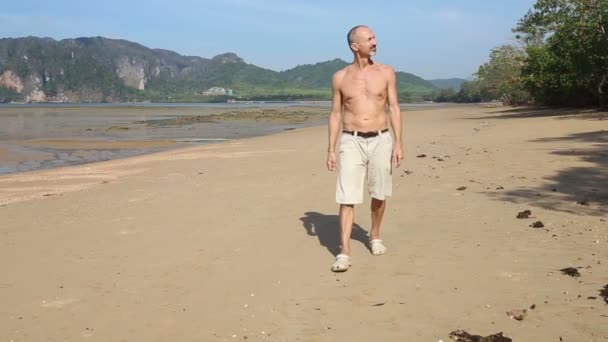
(58, 303)
(510, 275)
(135, 199)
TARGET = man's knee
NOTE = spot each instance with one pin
(377, 204)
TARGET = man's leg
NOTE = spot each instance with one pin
(375, 244)
(377, 208)
(380, 186)
(349, 189)
(347, 213)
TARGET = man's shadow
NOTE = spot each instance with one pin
(327, 229)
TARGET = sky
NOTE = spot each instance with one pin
(429, 38)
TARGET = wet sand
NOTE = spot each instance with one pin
(34, 138)
(39, 137)
(234, 241)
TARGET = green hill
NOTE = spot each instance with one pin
(448, 83)
(319, 76)
(98, 69)
(313, 76)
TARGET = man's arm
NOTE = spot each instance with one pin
(395, 117)
(335, 120)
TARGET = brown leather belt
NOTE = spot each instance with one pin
(366, 134)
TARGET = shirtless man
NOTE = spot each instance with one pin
(358, 119)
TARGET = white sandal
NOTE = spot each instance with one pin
(342, 263)
(377, 247)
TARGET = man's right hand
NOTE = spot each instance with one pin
(331, 161)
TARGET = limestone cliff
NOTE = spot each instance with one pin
(101, 69)
(9, 80)
(132, 72)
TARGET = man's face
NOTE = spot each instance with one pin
(365, 41)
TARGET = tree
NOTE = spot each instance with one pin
(9, 95)
(499, 79)
(445, 95)
(567, 51)
(468, 93)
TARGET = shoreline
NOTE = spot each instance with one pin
(237, 104)
(36, 138)
(46, 138)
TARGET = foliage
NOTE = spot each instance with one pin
(314, 75)
(567, 52)
(445, 95)
(92, 65)
(469, 93)
(9, 95)
(499, 79)
(564, 59)
(448, 83)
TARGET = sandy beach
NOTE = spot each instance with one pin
(234, 240)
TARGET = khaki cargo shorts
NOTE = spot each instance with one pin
(360, 157)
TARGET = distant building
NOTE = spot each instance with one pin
(215, 91)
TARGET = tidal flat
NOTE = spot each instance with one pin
(33, 138)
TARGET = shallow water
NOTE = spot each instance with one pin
(33, 138)
(42, 136)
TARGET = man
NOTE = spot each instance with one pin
(360, 93)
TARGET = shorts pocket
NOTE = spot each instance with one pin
(346, 143)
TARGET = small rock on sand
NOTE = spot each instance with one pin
(463, 336)
(524, 214)
(517, 314)
(537, 224)
(570, 271)
(604, 293)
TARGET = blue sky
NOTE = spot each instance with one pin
(429, 38)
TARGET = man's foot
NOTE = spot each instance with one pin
(377, 247)
(342, 263)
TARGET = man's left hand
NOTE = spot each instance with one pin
(397, 156)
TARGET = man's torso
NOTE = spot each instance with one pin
(364, 97)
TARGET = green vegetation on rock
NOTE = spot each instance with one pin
(98, 69)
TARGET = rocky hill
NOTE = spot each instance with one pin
(99, 69)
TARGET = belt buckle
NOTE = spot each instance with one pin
(365, 135)
(369, 134)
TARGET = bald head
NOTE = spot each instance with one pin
(352, 34)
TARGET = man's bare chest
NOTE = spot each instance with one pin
(369, 86)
